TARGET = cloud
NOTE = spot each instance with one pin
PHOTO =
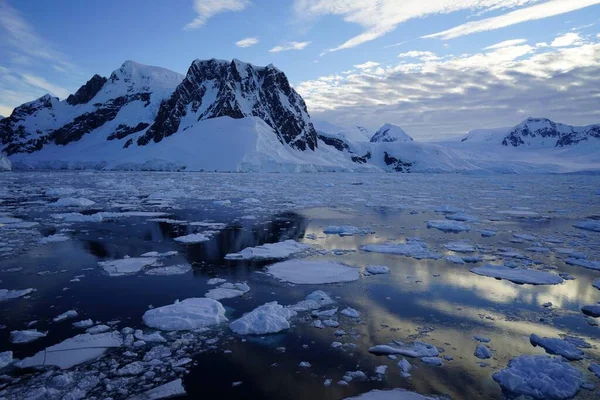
(421, 55)
(289, 46)
(456, 93)
(535, 12)
(207, 9)
(247, 42)
(506, 43)
(568, 39)
(41, 83)
(383, 16)
(367, 65)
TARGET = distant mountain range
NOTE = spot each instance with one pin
(234, 116)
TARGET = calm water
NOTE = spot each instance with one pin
(434, 301)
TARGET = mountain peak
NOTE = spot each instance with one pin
(390, 133)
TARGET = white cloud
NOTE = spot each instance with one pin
(289, 46)
(506, 43)
(41, 83)
(421, 55)
(207, 9)
(539, 11)
(568, 39)
(247, 42)
(456, 93)
(367, 65)
(381, 17)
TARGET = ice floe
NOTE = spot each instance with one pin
(314, 301)
(391, 394)
(448, 226)
(483, 352)
(178, 269)
(346, 230)
(6, 358)
(589, 225)
(269, 251)
(65, 315)
(518, 275)
(86, 323)
(6, 294)
(416, 350)
(126, 266)
(582, 262)
(557, 346)
(73, 202)
(166, 391)
(593, 367)
(268, 318)
(312, 272)
(413, 247)
(228, 291)
(350, 312)
(460, 247)
(377, 269)
(592, 310)
(188, 314)
(192, 238)
(435, 361)
(26, 336)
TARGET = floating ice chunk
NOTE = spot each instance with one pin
(178, 269)
(448, 226)
(455, 259)
(355, 376)
(541, 377)
(167, 391)
(462, 217)
(460, 247)
(6, 358)
(156, 254)
(581, 262)
(65, 315)
(381, 370)
(78, 217)
(519, 213)
(59, 237)
(26, 336)
(350, 312)
(411, 248)
(392, 394)
(192, 238)
(435, 361)
(189, 314)
(318, 324)
(416, 350)
(86, 323)
(487, 233)
(126, 266)
(589, 225)
(447, 209)
(312, 272)
(74, 351)
(577, 341)
(518, 275)
(73, 202)
(346, 230)
(481, 339)
(377, 269)
(6, 294)
(331, 323)
(313, 301)
(483, 352)
(215, 281)
(304, 364)
(592, 310)
(405, 367)
(132, 369)
(593, 367)
(557, 346)
(268, 318)
(228, 291)
(98, 329)
(154, 337)
(269, 251)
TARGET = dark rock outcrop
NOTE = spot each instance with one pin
(87, 92)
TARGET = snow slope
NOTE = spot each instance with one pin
(390, 133)
(350, 134)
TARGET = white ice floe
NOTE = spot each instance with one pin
(462, 217)
(189, 314)
(582, 262)
(59, 237)
(346, 230)
(416, 350)
(178, 269)
(65, 315)
(519, 213)
(192, 238)
(483, 352)
(391, 394)
(269, 251)
(6, 358)
(350, 312)
(167, 391)
(591, 310)
(481, 339)
(98, 329)
(455, 259)
(6, 294)
(268, 318)
(448, 226)
(126, 266)
(314, 301)
(86, 323)
(487, 232)
(589, 225)
(73, 202)
(460, 247)
(149, 337)
(215, 281)
(312, 272)
(541, 377)
(518, 275)
(557, 346)
(435, 361)
(414, 248)
(377, 269)
(26, 336)
(74, 351)
(228, 291)
(304, 364)
(156, 254)
(405, 367)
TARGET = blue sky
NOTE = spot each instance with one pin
(435, 67)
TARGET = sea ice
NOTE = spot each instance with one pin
(416, 350)
(215, 281)
(126, 266)
(6, 294)
(405, 367)
(589, 225)
(592, 310)
(59, 237)
(391, 394)
(73, 202)
(314, 301)
(582, 262)
(178, 269)
(227, 291)
(26, 336)
(312, 272)
(462, 217)
(350, 312)
(6, 358)
(65, 315)
(98, 329)
(414, 248)
(377, 269)
(435, 361)
(541, 377)
(269, 251)
(518, 275)
(455, 259)
(556, 346)
(192, 238)
(189, 314)
(268, 318)
(346, 230)
(483, 352)
(86, 323)
(167, 391)
(460, 247)
(448, 226)
(593, 367)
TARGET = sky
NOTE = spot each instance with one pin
(437, 68)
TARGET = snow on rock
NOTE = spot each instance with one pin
(391, 394)
(541, 377)
(26, 336)
(65, 315)
(178, 269)
(350, 312)
(377, 269)
(192, 238)
(346, 230)
(448, 226)
(6, 358)
(73, 202)
(189, 314)
(589, 225)
(228, 291)
(592, 310)
(558, 347)
(312, 272)
(413, 247)
(518, 275)
(416, 350)
(126, 266)
(483, 352)
(169, 390)
(74, 351)
(6, 294)
(269, 251)
(268, 318)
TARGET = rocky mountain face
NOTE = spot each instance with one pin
(390, 133)
(217, 88)
(544, 132)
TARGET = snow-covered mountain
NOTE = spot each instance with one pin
(390, 133)
(352, 134)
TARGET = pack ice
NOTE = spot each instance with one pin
(189, 314)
